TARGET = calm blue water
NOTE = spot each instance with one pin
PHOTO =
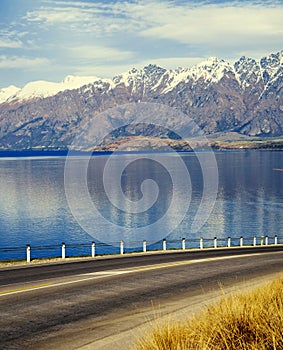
(34, 208)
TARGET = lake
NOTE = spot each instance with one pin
(35, 208)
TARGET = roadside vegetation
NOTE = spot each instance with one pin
(248, 321)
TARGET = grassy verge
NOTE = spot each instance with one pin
(248, 321)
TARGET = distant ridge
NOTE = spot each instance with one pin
(244, 97)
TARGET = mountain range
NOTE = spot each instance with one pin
(244, 98)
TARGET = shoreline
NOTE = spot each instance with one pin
(214, 146)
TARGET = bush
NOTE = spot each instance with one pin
(250, 321)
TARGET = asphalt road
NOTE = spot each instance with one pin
(70, 305)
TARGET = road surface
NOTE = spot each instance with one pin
(101, 303)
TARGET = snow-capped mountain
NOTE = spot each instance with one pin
(43, 89)
(245, 96)
(8, 92)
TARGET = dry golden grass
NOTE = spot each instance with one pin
(249, 321)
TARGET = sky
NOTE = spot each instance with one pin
(48, 40)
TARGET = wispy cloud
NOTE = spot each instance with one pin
(95, 17)
(219, 26)
(102, 70)
(51, 15)
(214, 25)
(99, 53)
(9, 62)
(11, 39)
(10, 44)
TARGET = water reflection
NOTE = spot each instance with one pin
(34, 210)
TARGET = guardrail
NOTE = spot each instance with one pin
(93, 249)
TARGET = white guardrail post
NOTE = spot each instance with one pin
(215, 242)
(164, 244)
(93, 249)
(183, 243)
(144, 246)
(266, 240)
(63, 250)
(275, 240)
(241, 241)
(229, 242)
(28, 253)
(121, 247)
(201, 243)
(254, 242)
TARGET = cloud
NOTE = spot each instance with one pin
(223, 25)
(94, 17)
(25, 63)
(11, 39)
(55, 15)
(99, 53)
(11, 44)
(214, 25)
(102, 71)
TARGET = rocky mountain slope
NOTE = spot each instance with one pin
(244, 97)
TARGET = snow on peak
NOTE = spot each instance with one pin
(140, 79)
(175, 77)
(270, 65)
(247, 72)
(250, 72)
(43, 89)
(8, 92)
(212, 70)
(155, 77)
